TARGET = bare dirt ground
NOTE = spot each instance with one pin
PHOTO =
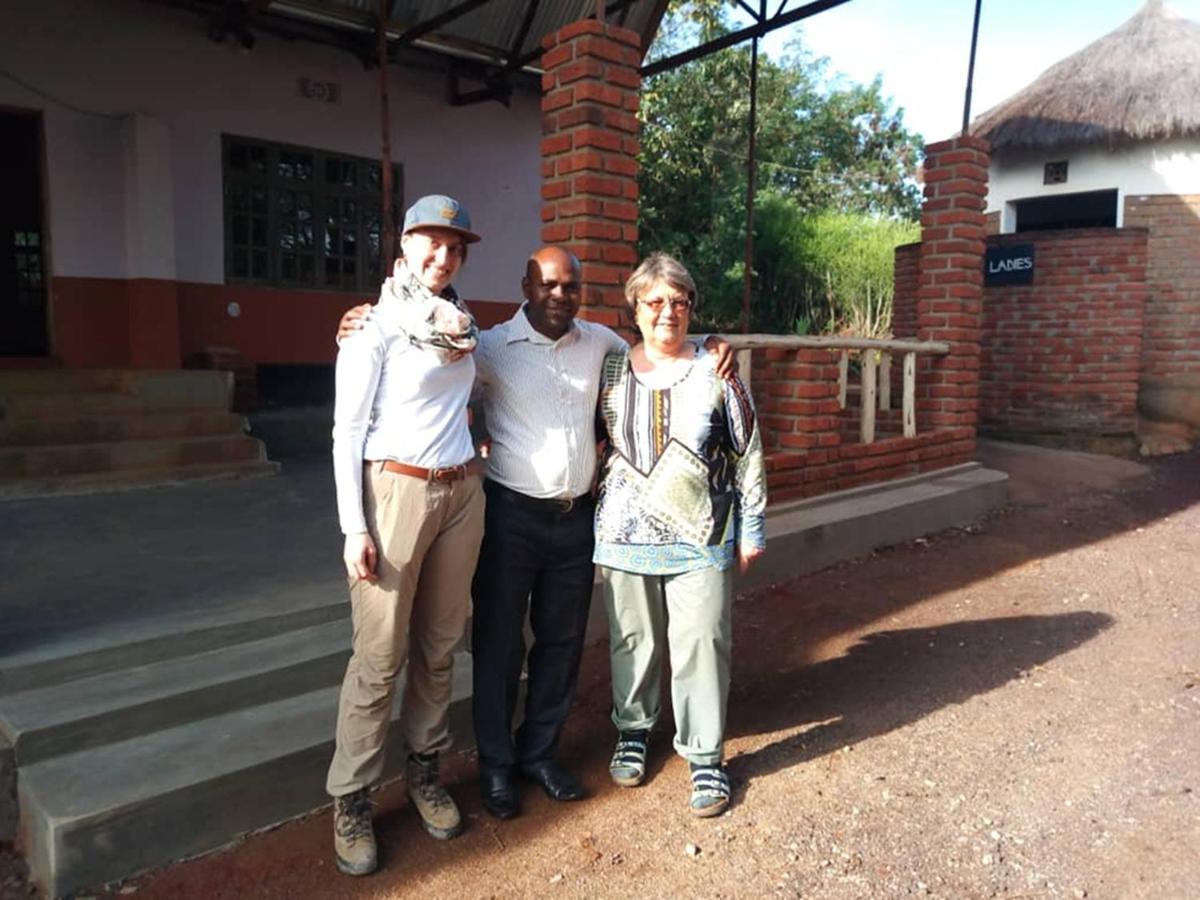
(1007, 710)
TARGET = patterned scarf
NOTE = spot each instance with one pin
(438, 324)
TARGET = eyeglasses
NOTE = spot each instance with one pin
(679, 305)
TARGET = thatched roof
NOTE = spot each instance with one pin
(1140, 82)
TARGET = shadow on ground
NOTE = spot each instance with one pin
(889, 679)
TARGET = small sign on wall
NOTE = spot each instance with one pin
(320, 91)
(1012, 264)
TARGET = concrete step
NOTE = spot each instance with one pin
(116, 706)
(125, 479)
(145, 642)
(112, 811)
(69, 459)
(135, 382)
(118, 427)
(68, 393)
(19, 407)
(59, 381)
(808, 535)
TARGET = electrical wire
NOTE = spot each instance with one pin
(57, 100)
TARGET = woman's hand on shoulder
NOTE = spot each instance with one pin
(746, 556)
(360, 557)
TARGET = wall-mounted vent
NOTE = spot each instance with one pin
(1055, 172)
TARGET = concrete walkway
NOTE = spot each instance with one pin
(81, 572)
(79, 568)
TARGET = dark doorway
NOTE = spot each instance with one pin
(22, 238)
(1092, 209)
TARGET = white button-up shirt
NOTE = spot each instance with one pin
(394, 401)
(539, 397)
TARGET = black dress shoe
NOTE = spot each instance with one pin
(558, 783)
(498, 794)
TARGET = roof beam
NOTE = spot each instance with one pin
(514, 61)
(736, 37)
(429, 25)
(753, 12)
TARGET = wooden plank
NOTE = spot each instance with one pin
(843, 378)
(885, 381)
(866, 425)
(910, 395)
(828, 342)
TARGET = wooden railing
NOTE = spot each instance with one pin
(875, 370)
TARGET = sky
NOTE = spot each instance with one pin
(921, 47)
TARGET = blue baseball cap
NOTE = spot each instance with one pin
(440, 211)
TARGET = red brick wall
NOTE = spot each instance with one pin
(590, 93)
(1061, 356)
(906, 279)
(811, 444)
(1171, 340)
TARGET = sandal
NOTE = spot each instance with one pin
(710, 791)
(628, 766)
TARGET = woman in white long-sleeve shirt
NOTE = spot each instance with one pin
(410, 504)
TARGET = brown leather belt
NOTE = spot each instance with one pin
(442, 475)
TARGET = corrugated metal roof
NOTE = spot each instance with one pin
(486, 33)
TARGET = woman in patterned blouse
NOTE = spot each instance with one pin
(681, 499)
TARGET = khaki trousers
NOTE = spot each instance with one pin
(687, 616)
(427, 536)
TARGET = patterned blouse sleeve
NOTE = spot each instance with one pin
(749, 480)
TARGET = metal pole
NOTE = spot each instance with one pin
(748, 273)
(971, 70)
(387, 237)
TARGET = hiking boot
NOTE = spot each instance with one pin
(353, 836)
(438, 811)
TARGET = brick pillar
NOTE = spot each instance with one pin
(906, 281)
(950, 292)
(590, 95)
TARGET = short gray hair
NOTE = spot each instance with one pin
(658, 268)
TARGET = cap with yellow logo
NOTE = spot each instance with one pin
(440, 211)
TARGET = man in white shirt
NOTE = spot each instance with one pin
(537, 377)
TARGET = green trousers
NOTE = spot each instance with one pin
(687, 617)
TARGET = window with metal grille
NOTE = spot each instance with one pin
(303, 218)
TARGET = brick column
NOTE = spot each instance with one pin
(590, 95)
(950, 292)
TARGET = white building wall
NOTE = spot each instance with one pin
(135, 98)
(1169, 167)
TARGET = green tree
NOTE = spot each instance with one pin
(818, 147)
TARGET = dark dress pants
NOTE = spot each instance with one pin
(535, 557)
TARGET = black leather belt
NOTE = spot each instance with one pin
(556, 506)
